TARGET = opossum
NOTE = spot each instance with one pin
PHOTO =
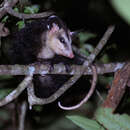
(43, 40)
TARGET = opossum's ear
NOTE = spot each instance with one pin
(55, 28)
(75, 33)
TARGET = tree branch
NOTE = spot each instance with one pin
(15, 93)
(22, 115)
(6, 4)
(59, 69)
(118, 87)
(28, 16)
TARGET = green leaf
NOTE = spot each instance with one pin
(84, 36)
(16, 9)
(85, 123)
(4, 20)
(84, 51)
(112, 121)
(20, 24)
(31, 9)
(123, 8)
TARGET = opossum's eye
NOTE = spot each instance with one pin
(62, 40)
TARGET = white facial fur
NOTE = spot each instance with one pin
(56, 45)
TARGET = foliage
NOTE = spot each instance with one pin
(31, 9)
(28, 10)
(104, 118)
(123, 8)
(86, 48)
(85, 123)
(75, 13)
(20, 24)
(112, 121)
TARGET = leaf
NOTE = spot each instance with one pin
(31, 9)
(84, 51)
(16, 9)
(20, 24)
(85, 123)
(4, 20)
(112, 121)
(84, 36)
(123, 8)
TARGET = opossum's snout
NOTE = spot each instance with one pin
(71, 55)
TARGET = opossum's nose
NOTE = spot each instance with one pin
(71, 55)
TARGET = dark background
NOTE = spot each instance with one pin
(92, 16)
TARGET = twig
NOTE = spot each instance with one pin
(93, 85)
(100, 45)
(7, 8)
(15, 93)
(99, 95)
(28, 16)
(22, 115)
(5, 5)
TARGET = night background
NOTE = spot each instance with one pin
(93, 17)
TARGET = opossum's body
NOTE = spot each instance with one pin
(42, 40)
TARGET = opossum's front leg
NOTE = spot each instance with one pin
(48, 62)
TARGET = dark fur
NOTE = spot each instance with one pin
(26, 44)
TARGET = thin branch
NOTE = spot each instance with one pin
(22, 115)
(7, 8)
(28, 16)
(101, 44)
(59, 69)
(6, 4)
(93, 85)
(15, 93)
(99, 95)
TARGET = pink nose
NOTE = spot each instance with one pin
(71, 55)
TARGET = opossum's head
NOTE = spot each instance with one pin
(58, 37)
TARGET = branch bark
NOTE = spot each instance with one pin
(118, 87)
(28, 16)
(59, 69)
(6, 4)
